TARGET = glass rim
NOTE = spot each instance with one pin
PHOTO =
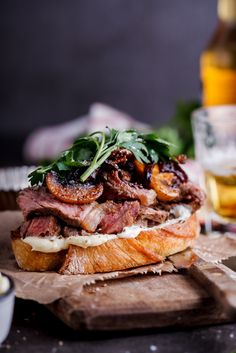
(10, 289)
(201, 114)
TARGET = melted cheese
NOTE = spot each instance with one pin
(4, 284)
(57, 243)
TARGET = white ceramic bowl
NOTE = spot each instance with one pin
(7, 300)
(12, 180)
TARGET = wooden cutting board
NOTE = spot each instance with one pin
(140, 302)
(177, 299)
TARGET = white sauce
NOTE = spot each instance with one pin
(57, 243)
(4, 284)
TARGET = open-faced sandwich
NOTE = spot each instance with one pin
(111, 202)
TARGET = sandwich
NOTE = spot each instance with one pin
(112, 201)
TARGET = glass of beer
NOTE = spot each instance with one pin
(214, 130)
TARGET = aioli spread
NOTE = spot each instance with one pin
(52, 244)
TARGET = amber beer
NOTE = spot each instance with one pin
(221, 191)
(214, 131)
(218, 60)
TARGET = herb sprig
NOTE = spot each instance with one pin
(88, 153)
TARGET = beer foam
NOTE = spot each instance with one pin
(220, 161)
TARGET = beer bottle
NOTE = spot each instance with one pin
(218, 60)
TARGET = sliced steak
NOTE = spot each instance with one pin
(116, 188)
(118, 215)
(153, 214)
(37, 201)
(192, 195)
(40, 226)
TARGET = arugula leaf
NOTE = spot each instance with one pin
(178, 130)
(89, 152)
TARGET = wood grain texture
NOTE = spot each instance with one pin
(140, 302)
(218, 282)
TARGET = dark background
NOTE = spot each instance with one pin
(59, 56)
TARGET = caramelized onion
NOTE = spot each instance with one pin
(117, 188)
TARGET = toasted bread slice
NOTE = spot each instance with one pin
(149, 247)
(35, 260)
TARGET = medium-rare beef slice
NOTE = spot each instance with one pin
(116, 217)
(41, 226)
(37, 201)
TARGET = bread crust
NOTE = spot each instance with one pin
(148, 247)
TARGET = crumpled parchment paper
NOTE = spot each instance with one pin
(46, 287)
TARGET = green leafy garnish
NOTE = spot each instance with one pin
(178, 130)
(89, 153)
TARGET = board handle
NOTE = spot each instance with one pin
(217, 283)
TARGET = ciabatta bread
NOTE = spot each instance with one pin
(150, 246)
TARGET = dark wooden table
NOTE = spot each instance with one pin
(35, 330)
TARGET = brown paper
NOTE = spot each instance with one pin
(47, 287)
(215, 248)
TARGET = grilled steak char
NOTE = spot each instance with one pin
(120, 201)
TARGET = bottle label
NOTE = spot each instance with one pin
(219, 86)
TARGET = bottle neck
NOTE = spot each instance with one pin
(227, 11)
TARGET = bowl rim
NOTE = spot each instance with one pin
(10, 289)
